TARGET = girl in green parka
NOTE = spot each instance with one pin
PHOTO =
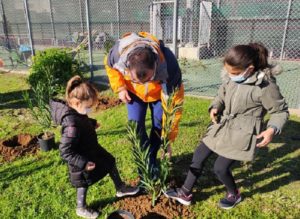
(247, 93)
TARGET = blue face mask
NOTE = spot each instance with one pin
(239, 78)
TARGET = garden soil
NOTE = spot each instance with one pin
(140, 206)
(24, 144)
(106, 102)
(164, 208)
(18, 145)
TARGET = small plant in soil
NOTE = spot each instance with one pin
(38, 103)
(141, 159)
(155, 186)
(170, 108)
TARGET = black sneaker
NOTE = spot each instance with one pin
(127, 191)
(179, 196)
(87, 213)
(230, 200)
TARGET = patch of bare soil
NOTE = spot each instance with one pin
(106, 102)
(164, 208)
(18, 145)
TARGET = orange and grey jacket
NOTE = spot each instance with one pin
(168, 78)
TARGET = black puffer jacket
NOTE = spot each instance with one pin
(79, 145)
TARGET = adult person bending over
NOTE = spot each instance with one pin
(144, 73)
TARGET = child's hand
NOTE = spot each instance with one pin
(97, 125)
(90, 166)
(213, 115)
(267, 136)
(124, 96)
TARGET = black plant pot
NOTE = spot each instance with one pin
(46, 144)
(120, 214)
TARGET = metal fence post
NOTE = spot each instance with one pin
(151, 17)
(2, 15)
(218, 4)
(87, 10)
(52, 22)
(118, 17)
(81, 18)
(4, 25)
(27, 15)
(285, 29)
(175, 27)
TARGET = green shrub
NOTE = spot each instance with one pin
(38, 100)
(62, 65)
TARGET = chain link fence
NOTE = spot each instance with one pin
(198, 32)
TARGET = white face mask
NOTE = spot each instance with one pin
(86, 111)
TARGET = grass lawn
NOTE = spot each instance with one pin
(38, 187)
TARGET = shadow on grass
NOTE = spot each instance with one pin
(12, 173)
(119, 129)
(278, 166)
(13, 100)
(102, 203)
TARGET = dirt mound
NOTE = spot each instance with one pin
(106, 102)
(165, 208)
(18, 145)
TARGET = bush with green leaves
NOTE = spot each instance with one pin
(63, 67)
(154, 185)
(38, 101)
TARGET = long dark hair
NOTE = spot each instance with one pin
(241, 56)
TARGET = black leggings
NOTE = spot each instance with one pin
(221, 168)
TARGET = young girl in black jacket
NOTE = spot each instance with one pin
(88, 162)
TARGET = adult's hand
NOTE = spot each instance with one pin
(266, 136)
(124, 96)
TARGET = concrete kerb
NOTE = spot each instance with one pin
(295, 112)
(14, 71)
